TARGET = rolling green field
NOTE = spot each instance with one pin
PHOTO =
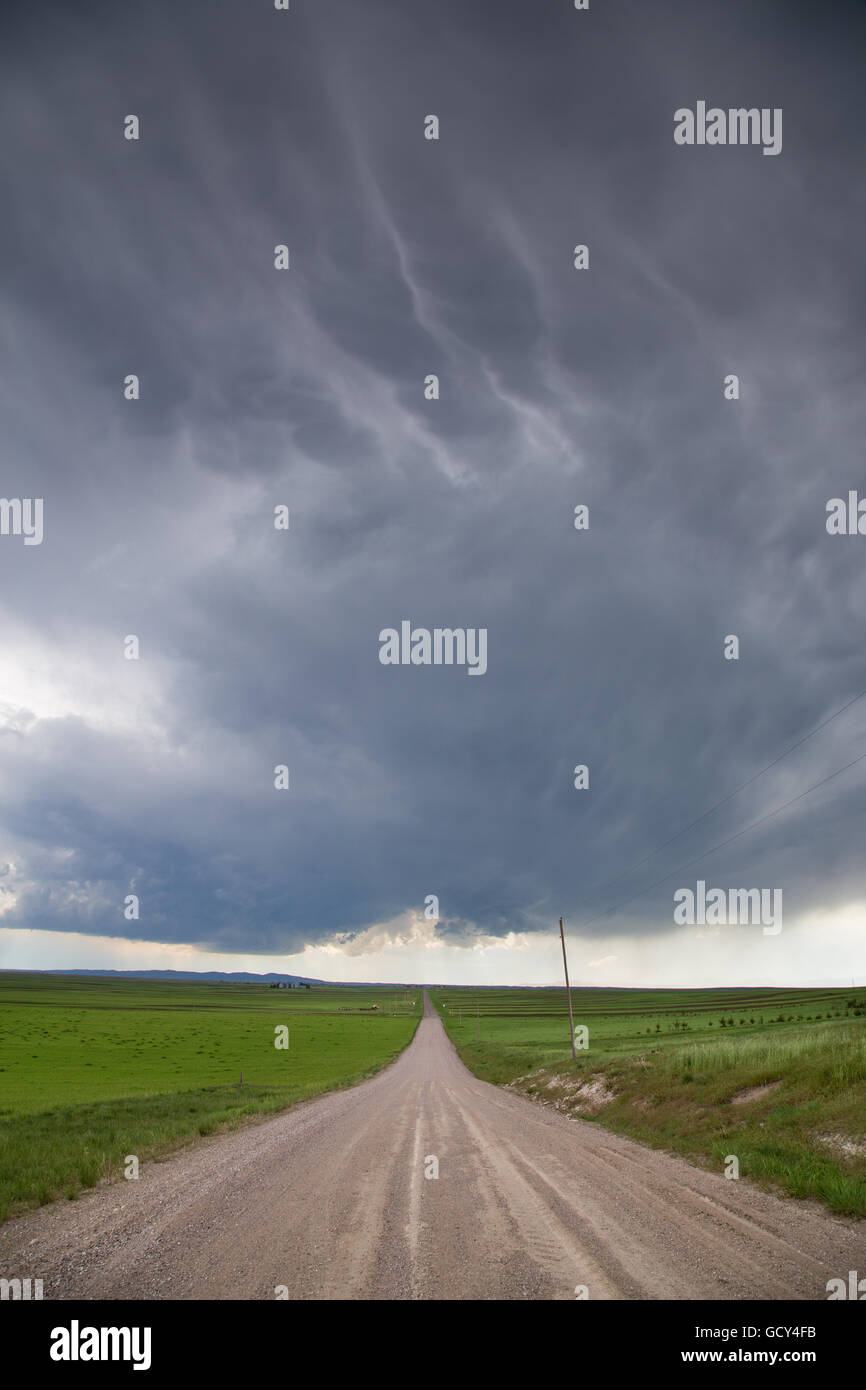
(776, 1078)
(94, 1069)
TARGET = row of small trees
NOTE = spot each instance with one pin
(859, 1009)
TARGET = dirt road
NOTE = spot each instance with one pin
(331, 1200)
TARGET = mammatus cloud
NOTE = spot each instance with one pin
(310, 389)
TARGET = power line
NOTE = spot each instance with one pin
(652, 854)
(722, 843)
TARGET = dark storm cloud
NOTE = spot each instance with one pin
(558, 387)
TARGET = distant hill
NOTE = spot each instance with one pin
(236, 977)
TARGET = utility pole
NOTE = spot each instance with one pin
(568, 991)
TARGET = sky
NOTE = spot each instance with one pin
(431, 829)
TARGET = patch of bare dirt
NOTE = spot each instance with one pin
(755, 1093)
(843, 1144)
(571, 1095)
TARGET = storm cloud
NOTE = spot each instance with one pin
(305, 388)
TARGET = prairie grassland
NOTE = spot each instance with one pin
(92, 1070)
(776, 1079)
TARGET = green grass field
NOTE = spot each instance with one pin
(94, 1069)
(775, 1077)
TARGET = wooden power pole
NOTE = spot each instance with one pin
(568, 991)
